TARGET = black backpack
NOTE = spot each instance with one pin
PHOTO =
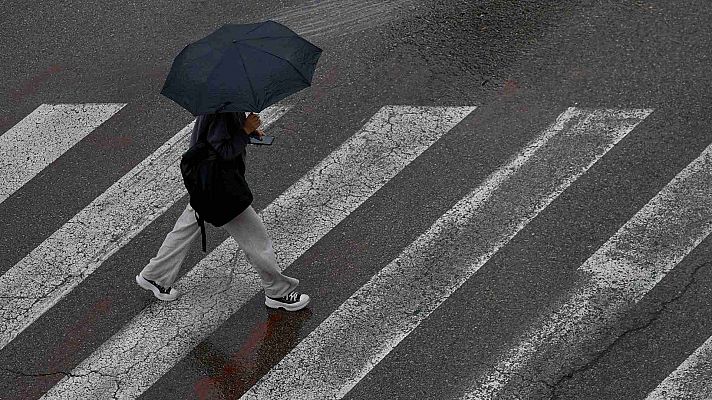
(218, 192)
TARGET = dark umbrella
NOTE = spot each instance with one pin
(241, 67)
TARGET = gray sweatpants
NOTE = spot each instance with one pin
(248, 231)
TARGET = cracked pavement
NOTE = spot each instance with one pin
(520, 63)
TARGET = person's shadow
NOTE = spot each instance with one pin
(266, 345)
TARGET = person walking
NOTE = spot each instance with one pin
(229, 135)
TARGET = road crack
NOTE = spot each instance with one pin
(654, 317)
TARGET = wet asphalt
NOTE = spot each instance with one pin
(521, 63)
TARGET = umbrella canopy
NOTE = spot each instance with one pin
(241, 67)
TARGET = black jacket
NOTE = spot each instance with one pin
(226, 136)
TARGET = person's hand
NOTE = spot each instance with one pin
(259, 133)
(251, 123)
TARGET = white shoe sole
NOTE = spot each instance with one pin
(157, 293)
(303, 301)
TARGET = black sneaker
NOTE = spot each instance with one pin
(161, 293)
(293, 301)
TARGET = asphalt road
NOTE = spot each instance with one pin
(520, 63)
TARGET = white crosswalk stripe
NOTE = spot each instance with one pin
(162, 334)
(42, 137)
(368, 325)
(691, 380)
(612, 281)
(55, 267)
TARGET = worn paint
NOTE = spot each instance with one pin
(368, 325)
(163, 333)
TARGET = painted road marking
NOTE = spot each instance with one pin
(161, 335)
(334, 18)
(43, 136)
(614, 279)
(367, 326)
(691, 380)
(108, 223)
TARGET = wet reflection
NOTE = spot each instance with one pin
(230, 376)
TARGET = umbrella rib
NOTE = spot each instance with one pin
(281, 58)
(258, 26)
(254, 100)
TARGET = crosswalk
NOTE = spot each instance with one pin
(95, 233)
(335, 356)
(365, 328)
(612, 280)
(221, 283)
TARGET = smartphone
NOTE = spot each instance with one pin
(266, 139)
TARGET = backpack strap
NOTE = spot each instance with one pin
(201, 222)
(204, 137)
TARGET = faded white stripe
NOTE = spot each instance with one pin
(43, 136)
(691, 380)
(333, 18)
(613, 279)
(108, 223)
(368, 325)
(162, 334)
